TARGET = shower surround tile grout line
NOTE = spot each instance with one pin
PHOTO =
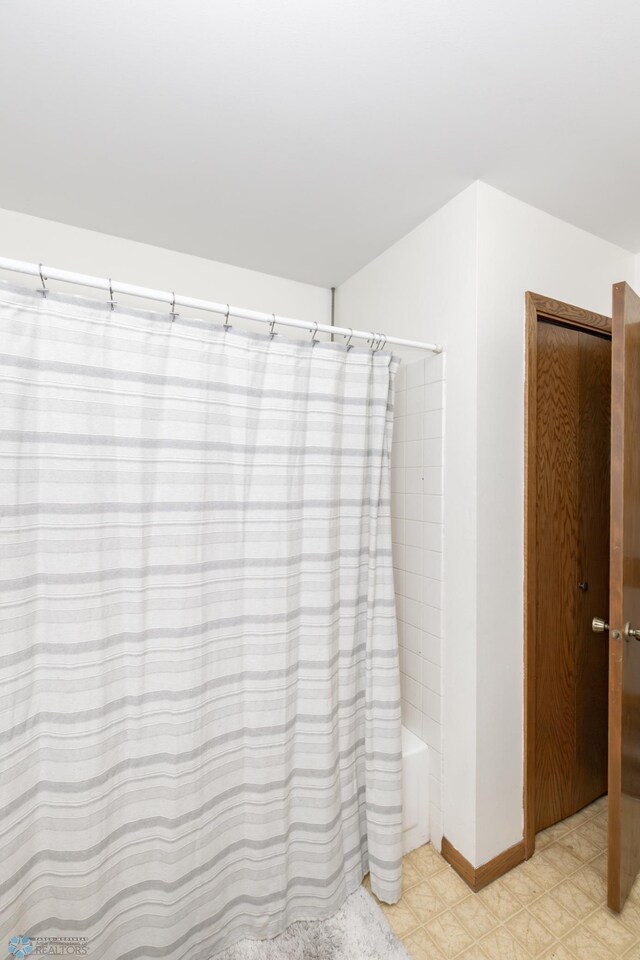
(417, 514)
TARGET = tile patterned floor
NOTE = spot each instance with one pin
(550, 908)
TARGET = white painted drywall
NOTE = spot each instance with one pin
(29, 238)
(425, 286)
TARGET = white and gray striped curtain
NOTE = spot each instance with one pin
(199, 689)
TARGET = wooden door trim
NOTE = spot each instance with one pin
(538, 308)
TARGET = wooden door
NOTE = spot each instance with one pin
(624, 611)
(572, 546)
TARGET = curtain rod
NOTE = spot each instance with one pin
(191, 303)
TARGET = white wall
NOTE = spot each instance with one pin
(84, 251)
(424, 287)
(417, 513)
(519, 249)
(461, 278)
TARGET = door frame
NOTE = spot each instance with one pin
(538, 308)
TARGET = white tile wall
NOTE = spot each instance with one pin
(417, 511)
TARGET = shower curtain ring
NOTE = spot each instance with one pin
(273, 323)
(313, 333)
(226, 319)
(348, 343)
(383, 341)
(172, 311)
(44, 290)
(111, 301)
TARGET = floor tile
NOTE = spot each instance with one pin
(543, 840)
(573, 899)
(592, 882)
(553, 907)
(582, 943)
(449, 935)
(401, 917)
(556, 918)
(554, 832)
(502, 945)
(524, 887)
(599, 863)
(634, 893)
(410, 874)
(420, 946)
(558, 952)
(582, 816)
(425, 901)
(500, 900)
(530, 880)
(450, 886)
(630, 916)
(561, 858)
(596, 832)
(543, 873)
(530, 932)
(580, 845)
(610, 928)
(476, 917)
(474, 953)
(427, 860)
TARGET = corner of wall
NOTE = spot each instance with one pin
(426, 287)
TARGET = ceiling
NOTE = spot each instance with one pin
(303, 137)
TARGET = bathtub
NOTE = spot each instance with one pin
(415, 791)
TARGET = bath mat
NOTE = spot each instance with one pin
(358, 931)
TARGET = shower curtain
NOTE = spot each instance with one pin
(199, 688)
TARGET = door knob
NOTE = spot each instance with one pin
(583, 585)
(630, 631)
(598, 625)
